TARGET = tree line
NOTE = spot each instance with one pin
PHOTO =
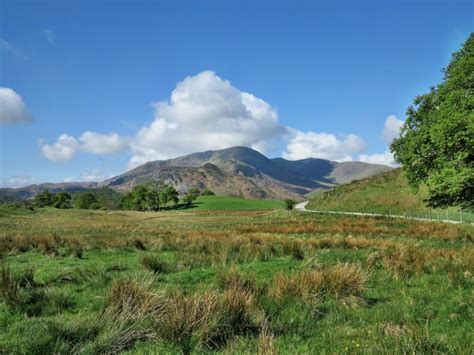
(148, 196)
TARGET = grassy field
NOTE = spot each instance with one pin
(384, 193)
(262, 282)
(224, 203)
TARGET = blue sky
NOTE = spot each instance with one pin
(297, 79)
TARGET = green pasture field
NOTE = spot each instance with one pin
(205, 280)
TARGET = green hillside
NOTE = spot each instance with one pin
(225, 203)
(383, 193)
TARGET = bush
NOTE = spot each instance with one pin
(207, 192)
(289, 204)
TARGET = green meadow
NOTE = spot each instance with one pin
(256, 279)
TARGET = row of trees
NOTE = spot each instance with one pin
(150, 196)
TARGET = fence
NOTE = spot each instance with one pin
(447, 216)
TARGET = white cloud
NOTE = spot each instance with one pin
(12, 108)
(93, 175)
(63, 150)
(48, 34)
(323, 145)
(97, 143)
(19, 181)
(67, 146)
(385, 158)
(205, 112)
(391, 129)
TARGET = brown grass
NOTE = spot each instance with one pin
(342, 281)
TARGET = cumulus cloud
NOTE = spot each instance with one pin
(385, 158)
(48, 34)
(12, 108)
(66, 146)
(19, 181)
(63, 150)
(391, 129)
(206, 112)
(103, 144)
(304, 145)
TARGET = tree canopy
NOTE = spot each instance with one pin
(436, 144)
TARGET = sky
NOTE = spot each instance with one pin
(91, 89)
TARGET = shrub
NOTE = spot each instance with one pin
(289, 204)
(207, 192)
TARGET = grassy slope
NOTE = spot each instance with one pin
(428, 311)
(383, 193)
(224, 203)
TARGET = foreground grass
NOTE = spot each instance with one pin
(384, 193)
(241, 281)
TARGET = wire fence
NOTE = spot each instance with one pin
(447, 216)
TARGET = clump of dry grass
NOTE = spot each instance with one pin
(126, 318)
(188, 320)
(266, 340)
(342, 280)
(155, 264)
(293, 248)
(232, 279)
(9, 286)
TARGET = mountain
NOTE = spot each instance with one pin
(237, 171)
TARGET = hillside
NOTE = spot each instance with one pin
(382, 193)
(236, 171)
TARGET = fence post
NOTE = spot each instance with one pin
(447, 214)
(460, 214)
(437, 214)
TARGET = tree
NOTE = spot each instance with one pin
(168, 194)
(84, 200)
(188, 199)
(62, 200)
(140, 198)
(436, 144)
(44, 199)
(289, 204)
(108, 198)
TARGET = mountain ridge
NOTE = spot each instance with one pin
(235, 171)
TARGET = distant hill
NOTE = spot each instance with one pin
(237, 171)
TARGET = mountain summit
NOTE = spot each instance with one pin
(236, 171)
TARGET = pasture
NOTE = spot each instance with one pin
(261, 281)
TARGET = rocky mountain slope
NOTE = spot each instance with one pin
(237, 171)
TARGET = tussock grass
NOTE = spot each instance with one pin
(237, 282)
(342, 281)
(155, 264)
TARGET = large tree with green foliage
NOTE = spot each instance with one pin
(85, 200)
(62, 200)
(436, 145)
(168, 194)
(44, 199)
